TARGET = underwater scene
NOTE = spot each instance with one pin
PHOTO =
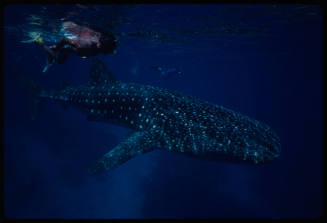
(162, 111)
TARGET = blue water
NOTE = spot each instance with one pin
(264, 61)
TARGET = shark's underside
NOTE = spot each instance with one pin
(162, 119)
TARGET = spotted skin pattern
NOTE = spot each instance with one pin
(163, 119)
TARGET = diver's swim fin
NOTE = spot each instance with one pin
(28, 41)
(46, 67)
(37, 39)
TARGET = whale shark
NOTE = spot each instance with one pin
(162, 119)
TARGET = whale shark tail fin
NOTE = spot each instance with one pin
(32, 88)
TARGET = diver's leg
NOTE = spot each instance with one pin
(48, 50)
(49, 63)
(58, 56)
(57, 51)
(51, 58)
(62, 55)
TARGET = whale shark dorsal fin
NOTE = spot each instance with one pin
(62, 86)
(100, 74)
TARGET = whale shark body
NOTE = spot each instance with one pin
(163, 119)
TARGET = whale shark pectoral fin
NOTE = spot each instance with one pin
(135, 144)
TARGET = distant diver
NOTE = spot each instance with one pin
(167, 72)
(80, 40)
(161, 119)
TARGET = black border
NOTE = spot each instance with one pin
(4, 3)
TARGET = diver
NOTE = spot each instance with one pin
(167, 72)
(80, 40)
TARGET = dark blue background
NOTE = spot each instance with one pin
(274, 76)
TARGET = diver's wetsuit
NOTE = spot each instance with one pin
(80, 40)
